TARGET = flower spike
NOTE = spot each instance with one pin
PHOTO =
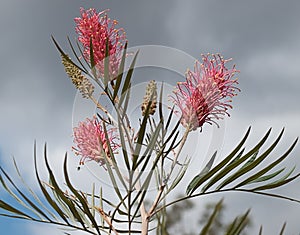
(91, 141)
(205, 95)
(99, 29)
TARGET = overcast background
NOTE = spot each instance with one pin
(262, 36)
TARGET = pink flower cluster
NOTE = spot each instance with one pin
(205, 95)
(99, 28)
(91, 141)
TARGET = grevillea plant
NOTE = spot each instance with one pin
(135, 157)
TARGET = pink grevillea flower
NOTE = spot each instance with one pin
(91, 141)
(99, 28)
(205, 95)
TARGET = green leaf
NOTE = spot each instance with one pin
(140, 138)
(112, 157)
(267, 177)
(123, 144)
(284, 180)
(36, 210)
(64, 207)
(16, 197)
(126, 102)
(46, 194)
(92, 59)
(223, 163)
(235, 164)
(83, 202)
(160, 109)
(180, 175)
(77, 57)
(194, 184)
(64, 54)
(211, 218)
(282, 229)
(251, 164)
(106, 64)
(141, 194)
(256, 177)
(127, 81)
(37, 199)
(12, 209)
(82, 55)
(260, 230)
(237, 226)
(61, 194)
(120, 74)
(150, 146)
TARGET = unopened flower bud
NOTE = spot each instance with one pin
(150, 96)
(81, 82)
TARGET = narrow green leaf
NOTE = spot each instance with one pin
(92, 60)
(36, 210)
(237, 156)
(112, 156)
(150, 146)
(251, 164)
(77, 57)
(267, 177)
(12, 209)
(126, 102)
(60, 193)
(180, 175)
(93, 200)
(268, 168)
(278, 183)
(106, 64)
(194, 184)
(171, 135)
(250, 161)
(120, 74)
(117, 208)
(86, 209)
(101, 206)
(17, 198)
(173, 144)
(235, 164)
(128, 80)
(260, 230)
(64, 207)
(82, 55)
(123, 145)
(224, 162)
(46, 194)
(154, 165)
(169, 118)
(37, 199)
(240, 224)
(141, 195)
(113, 179)
(160, 109)
(140, 138)
(282, 229)
(64, 54)
(211, 218)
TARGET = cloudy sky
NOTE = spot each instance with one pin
(262, 37)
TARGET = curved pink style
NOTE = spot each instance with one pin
(91, 141)
(205, 95)
(99, 28)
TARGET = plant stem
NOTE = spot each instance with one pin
(99, 106)
(162, 187)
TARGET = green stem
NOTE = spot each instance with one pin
(223, 191)
(162, 187)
